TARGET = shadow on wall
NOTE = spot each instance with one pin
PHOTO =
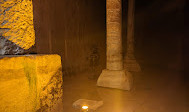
(159, 30)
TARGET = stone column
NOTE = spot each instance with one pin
(114, 76)
(130, 61)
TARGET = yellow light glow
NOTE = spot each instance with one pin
(85, 107)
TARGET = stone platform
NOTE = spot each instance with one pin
(30, 83)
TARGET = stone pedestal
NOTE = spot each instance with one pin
(119, 79)
(114, 76)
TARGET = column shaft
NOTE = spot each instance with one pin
(114, 35)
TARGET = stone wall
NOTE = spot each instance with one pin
(74, 29)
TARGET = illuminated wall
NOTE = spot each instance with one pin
(17, 16)
(73, 29)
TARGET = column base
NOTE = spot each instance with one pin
(119, 79)
(132, 65)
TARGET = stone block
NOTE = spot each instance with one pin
(30, 83)
(17, 16)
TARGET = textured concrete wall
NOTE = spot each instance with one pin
(30, 83)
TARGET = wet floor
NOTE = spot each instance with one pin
(154, 90)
